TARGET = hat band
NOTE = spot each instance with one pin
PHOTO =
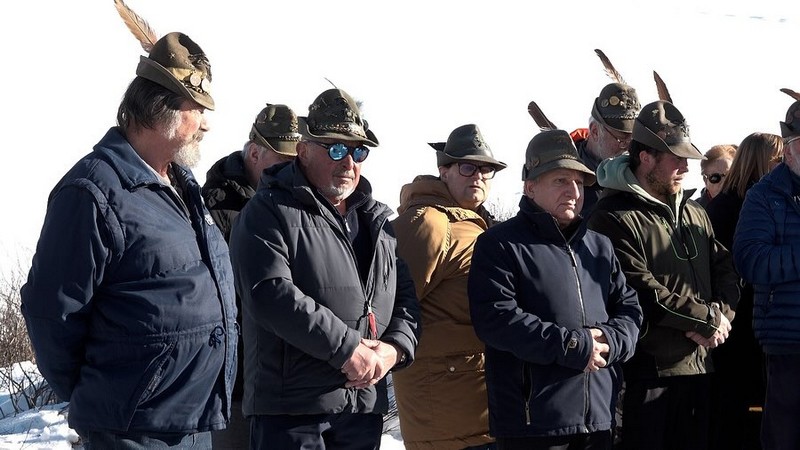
(347, 127)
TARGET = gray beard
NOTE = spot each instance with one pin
(188, 156)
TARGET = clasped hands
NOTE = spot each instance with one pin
(719, 336)
(370, 362)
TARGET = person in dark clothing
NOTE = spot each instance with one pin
(685, 279)
(328, 306)
(230, 184)
(765, 246)
(739, 381)
(130, 301)
(233, 180)
(610, 128)
(550, 301)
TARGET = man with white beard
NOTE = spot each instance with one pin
(129, 302)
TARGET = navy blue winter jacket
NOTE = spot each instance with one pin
(766, 250)
(129, 302)
(533, 295)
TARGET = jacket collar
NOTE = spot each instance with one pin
(131, 169)
(546, 225)
(431, 191)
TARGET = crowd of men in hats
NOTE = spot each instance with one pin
(499, 335)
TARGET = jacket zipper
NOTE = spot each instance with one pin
(583, 320)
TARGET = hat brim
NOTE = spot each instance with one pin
(438, 146)
(683, 149)
(158, 74)
(621, 125)
(370, 140)
(443, 159)
(589, 178)
(286, 148)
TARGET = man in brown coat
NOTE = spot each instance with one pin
(442, 397)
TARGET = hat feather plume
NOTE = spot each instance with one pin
(139, 27)
(611, 71)
(538, 116)
(663, 92)
(791, 93)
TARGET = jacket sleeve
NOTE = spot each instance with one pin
(762, 254)
(405, 326)
(263, 279)
(660, 305)
(499, 321)
(70, 261)
(624, 317)
(420, 241)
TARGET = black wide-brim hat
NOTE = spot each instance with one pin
(616, 107)
(660, 125)
(553, 149)
(177, 63)
(465, 144)
(335, 115)
(276, 127)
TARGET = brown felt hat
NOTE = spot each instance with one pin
(791, 127)
(335, 115)
(466, 144)
(276, 127)
(177, 63)
(553, 149)
(661, 126)
(616, 107)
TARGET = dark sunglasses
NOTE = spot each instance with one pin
(468, 170)
(339, 151)
(714, 178)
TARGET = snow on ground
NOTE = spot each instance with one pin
(46, 428)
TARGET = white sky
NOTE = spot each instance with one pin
(422, 69)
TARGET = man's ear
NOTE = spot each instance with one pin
(529, 188)
(443, 172)
(594, 130)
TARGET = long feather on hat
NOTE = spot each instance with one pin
(610, 70)
(139, 27)
(791, 93)
(663, 93)
(538, 116)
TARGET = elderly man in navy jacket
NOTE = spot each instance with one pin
(549, 300)
(130, 301)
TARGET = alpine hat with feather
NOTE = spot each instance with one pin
(174, 61)
(617, 105)
(465, 144)
(276, 128)
(551, 149)
(660, 125)
(335, 115)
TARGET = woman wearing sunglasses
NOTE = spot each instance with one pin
(714, 168)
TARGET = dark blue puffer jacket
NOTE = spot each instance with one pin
(129, 302)
(766, 250)
(533, 297)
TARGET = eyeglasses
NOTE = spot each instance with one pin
(621, 143)
(468, 170)
(339, 151)
(714, 178)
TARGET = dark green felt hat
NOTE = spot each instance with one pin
(276, 127)
(553, 149)
(335, 115)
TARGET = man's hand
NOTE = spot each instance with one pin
(362, 365)
(600, 350)
(718, 338)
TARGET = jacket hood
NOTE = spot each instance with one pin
(429, 190)
(615, 173)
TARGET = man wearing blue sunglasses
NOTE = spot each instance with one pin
(328, 307)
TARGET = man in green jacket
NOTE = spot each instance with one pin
(685, 279)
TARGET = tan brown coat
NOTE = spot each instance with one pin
(441, 397)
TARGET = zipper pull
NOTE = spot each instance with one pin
(373, 327)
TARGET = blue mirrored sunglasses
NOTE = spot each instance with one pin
(339, 151)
